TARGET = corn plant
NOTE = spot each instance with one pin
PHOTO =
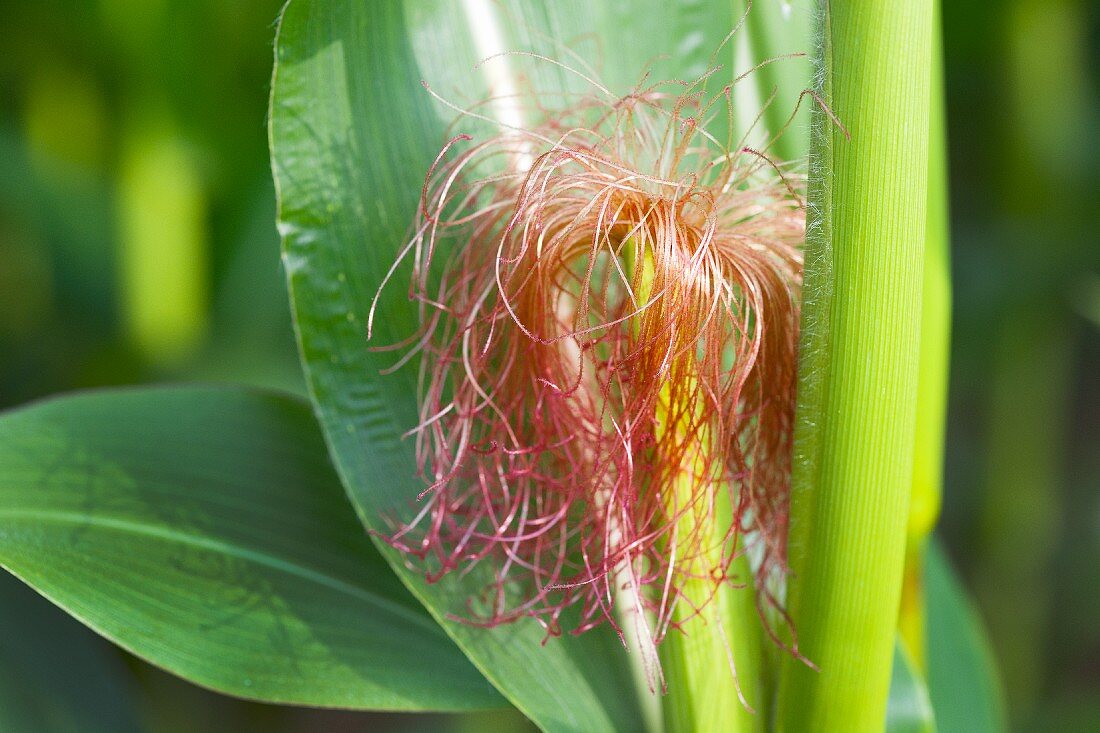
(624, 326)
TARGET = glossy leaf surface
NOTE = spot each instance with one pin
(962, 676)
(353, 132)
(204, 530)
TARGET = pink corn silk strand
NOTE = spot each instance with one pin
(547, 355)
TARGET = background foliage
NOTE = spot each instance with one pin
(133, 140)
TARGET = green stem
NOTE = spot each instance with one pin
(858, 375)
(712, 663)
(703, 692)
(703, 695)
(935, 349)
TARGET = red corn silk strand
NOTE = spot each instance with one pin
(616, 317)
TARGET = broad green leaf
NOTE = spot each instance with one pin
(353, 133)
(622, 45)
(204, 530)
(55, 676)
(962, 676)
(908, 709)
(780, 28)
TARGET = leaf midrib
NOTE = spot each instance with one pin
(235, 550)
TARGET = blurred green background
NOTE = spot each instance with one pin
(137, 244)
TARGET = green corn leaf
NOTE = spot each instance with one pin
(204, 530)
(962, 677)
(908, 709)
(353, 133)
